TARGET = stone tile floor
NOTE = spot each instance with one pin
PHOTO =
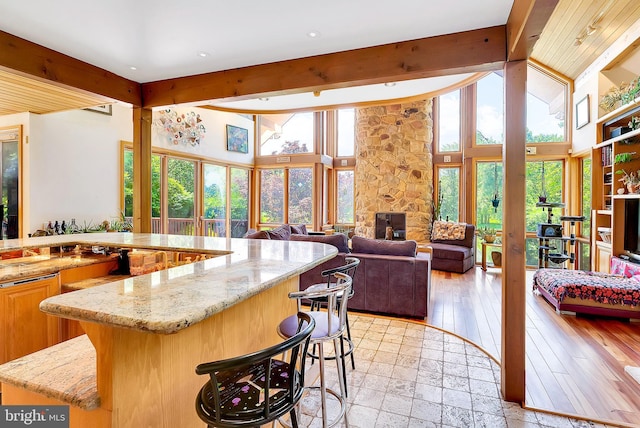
(415, 376)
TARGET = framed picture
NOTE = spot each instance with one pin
(237, 139)
(105, 109)
(582, 112)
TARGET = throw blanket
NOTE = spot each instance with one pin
(596, 286)
(447, 230)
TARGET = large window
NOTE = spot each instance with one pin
(546, 107)
(345, 204)
(286, 133)
(448, 204)
(239, 202)
(346, 132)
(176, 179)
(490, 110)
(584, 248)
(272, 196)
(544, 178)
(489, 195)
(215, 200)
(300, 196)
(449, 122)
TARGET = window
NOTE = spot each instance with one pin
(345, 193)
(449, 122)
(490, 110)
(300, 196)
(215, 200)
(488, 195)
(546, 107)
(585, 230)
(286, 133)
(181, 196)
(544, 178)
(448, 205)
(346, 132)
(239, 191)
(272, 196)
(128, 183)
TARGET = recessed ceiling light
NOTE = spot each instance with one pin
(313, 34)
(390, 84)
(133, 67)
(203, 54)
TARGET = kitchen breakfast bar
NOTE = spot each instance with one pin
(135, 367)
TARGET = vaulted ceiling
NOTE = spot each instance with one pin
(169, 40)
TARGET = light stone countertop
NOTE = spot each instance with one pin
(31, 266)
(65, 372)
(170, 300)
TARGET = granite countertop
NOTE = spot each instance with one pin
(170, 300)
(37, 265)
(66, 372)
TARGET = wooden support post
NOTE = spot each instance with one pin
(513, 234)
(142, 170)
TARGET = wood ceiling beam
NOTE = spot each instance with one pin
(526, 21)
(470, 51)
(33, 60)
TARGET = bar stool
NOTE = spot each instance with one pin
(255, 389)
(330, 326)
(316, 303)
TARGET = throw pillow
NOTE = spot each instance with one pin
(448, 231)
(260, 234)
(280, 233)
(338, 240)
(300, 229)
(363, 245)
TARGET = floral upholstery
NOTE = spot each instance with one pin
(597, 286)
(446, 230)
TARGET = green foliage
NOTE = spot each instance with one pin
(623, 157)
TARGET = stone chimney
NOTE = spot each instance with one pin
(394, 166)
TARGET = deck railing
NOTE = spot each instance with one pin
(187, 226)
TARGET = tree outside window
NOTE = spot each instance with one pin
(300, 196)
(448, 205)
(346, 197)
(272, 196)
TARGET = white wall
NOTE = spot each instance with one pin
(71, 160)
(585, 137)
(214, 143)
(75, 165)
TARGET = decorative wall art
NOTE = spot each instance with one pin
(105, 109)
(582, 112)
(184, 129)
(237, 139)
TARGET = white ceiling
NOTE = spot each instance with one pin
(163, 39)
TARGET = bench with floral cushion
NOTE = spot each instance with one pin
(596, 293)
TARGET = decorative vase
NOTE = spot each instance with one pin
(620, 191)
(496, 257)
(489, 239)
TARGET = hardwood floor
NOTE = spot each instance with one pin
(575, 365)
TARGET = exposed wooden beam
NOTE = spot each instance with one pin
(470, 51)
(526, 21)
(33, 60)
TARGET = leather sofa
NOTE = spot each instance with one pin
(455, 255)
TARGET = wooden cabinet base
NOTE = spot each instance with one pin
(148, 380)
(98, 418)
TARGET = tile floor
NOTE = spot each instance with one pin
(411, 375)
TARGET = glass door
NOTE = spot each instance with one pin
(181, 185)
(10, 190)
(214, 201)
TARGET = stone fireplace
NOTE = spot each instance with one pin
(394, 166)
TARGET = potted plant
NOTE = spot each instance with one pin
(487, 234)
(630, 180)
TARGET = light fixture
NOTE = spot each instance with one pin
(592, 26)
(313, 34)
(264, 99)
(316, 93)
(133, 68)
(203, 54)
(390, 84)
